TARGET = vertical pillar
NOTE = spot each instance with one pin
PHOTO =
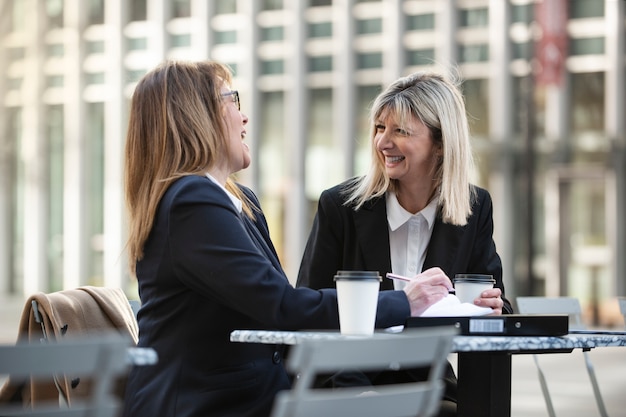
(115, 108)
(296, 131)
(615, 126)
(344, 97)
(34, 153)
(75, 236)
(501, 180)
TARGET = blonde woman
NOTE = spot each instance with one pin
(415, 211)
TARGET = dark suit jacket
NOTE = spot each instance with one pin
(344, 239)
(208, 270)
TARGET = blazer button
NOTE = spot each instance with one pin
(276, 357)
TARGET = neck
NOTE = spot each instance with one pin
(416, 199)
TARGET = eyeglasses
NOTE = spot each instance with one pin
(235, 95)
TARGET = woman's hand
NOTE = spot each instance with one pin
(491, 298)
(427, 288)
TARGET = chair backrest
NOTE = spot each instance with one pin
(409, 349)
(622, 307)
(553, 305)
(101, 359)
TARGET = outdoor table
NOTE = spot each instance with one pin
(483, 362)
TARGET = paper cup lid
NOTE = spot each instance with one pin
(474, 278)
(358, 275)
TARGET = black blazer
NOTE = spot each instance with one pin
(206, 271)
(342, 238)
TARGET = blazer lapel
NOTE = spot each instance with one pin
(443, 246)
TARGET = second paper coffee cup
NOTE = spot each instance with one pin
(469, 286)
(357, 299)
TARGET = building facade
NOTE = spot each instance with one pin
(551, 152)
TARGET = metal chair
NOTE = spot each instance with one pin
(100, 359)
(409, 349)
(571, 307)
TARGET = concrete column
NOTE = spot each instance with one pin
(296, 109)
(501, 180)
(615, 126)
(115, 114)
(76, 242)
(33, 154)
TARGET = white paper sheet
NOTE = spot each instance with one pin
(451, 306)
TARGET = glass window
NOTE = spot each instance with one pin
(16, 54)
(96, 12)
(587, 104)
(137, 44)
(54, 12)
(94, 47)
(370, 60)
(521, 50)
(474, 53)
(55, 49)
(272, 157)
(138, 10)
(476, 93)
(18, 15)
(420, 57)
(95, 187)
(420, 22)
(54, 81)
(320, 30)
(225, 6)
(314, 3)
(225, 37)
(12, 137)
(321, 149)
(95, 78)
(474, 17)
(276, 33)
(55, 135)
(522, 13)
(587, 46)
(365, 97)
(181, 8)
(320, 63)
(367, 26)
(134, 75)
(272, 5)
(180, 40)
(269, 67)
(585, 8)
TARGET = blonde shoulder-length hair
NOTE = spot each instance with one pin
(438, 103)
(176, 128)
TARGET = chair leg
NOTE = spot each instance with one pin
(544, 388)
(594, 384)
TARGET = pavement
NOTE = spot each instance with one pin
(567, 378)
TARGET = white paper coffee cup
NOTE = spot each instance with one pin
(468, 287)
(357, 299)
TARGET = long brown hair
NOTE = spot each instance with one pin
(176, 128)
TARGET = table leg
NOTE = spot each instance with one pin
(484, 384)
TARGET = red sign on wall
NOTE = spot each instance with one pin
(551, 47)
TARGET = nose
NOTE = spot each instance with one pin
(382, 141)
(244, 119)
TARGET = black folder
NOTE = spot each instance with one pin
(505, 325)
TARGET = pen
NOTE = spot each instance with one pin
(407, 279)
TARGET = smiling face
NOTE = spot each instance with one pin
(239, 153)
(407, 151)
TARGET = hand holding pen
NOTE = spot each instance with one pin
(425, 289)
(407, 279)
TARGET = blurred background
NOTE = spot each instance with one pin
(544, 83)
